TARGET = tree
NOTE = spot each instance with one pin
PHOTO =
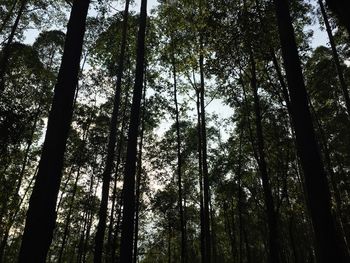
(41, 216)
(179, 166)
(111, 144)
(318, 195)
(342, 82)
(229, 156)
(272, 216)
(341, 8)
(6, 50)
(126, 245)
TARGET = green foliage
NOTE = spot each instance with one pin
(229, 35)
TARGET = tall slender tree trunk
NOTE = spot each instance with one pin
(274, 249)
(41, 216)
(137, 205)
(200, 169)
(126, 245)
(90, 218)
(68, 219)
(26, 155)
(318, 194)
(81, 238)
(179, 165)
(207, 234)
(284, 88)
(64, 187)
(15, 192)
(240, 220)
(229, 229)
(139, 174)
(100, 233)
(239, 196)
(7, 48)
(286, 97)
(338, 216)
(342, 82)
(86, 236)
(290, 213)
(12, 220)
(213, 233)
(87, 219)
(116, 232)
(114, 197)
(111, 217)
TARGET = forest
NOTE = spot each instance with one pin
(175, 131)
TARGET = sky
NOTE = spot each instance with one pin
(319, 38)
(32, 34)
(216, 106)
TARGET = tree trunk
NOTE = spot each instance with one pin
(15, 193)
(67, 222)
(81, 239)
(274, 248)
(100, 233)
(41, 216)
(63, 188)
(13, 219)
(213, 234)
(230, 231)
(338, 216)
(116, 232)
(240, 220)
(126, 245)
(342, 82)
(7, 48)
(139, 175)
(114, 197)
(90, 218)
(280, 77)
(200, 167)
(328, 245)
(206, 211)
(239, 195)
(179, 165)
(26, 155)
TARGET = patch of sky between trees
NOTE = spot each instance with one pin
(215, 106)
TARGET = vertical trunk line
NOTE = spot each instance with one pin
(41, 216)
(126, 246)
(328, 247)
(139, 173)
(6, 50)
(101, 227)
(342, 82)
(179, 163)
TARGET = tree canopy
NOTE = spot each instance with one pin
(175, 131)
